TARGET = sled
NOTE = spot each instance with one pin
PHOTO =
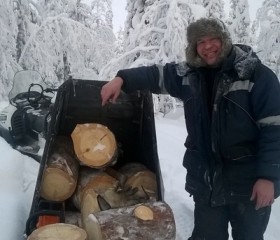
(131, 120)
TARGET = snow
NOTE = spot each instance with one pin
(18, 174)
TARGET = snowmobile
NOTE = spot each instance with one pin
(131, 119)
(24, 122)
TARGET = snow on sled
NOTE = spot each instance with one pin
(100, 171)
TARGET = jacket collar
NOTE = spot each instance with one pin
(243, 60)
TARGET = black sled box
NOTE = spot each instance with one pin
(131, 120)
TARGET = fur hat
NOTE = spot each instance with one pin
(202, 28)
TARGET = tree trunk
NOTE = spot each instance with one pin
(61, 173)
(94, 144)
(149, 221)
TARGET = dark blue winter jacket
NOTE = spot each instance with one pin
(236, 143)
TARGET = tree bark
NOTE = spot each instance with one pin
(156, 223)
(61, 172)
(58, 231)
(94, 144)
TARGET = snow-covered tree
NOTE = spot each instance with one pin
(119, 42)
(26, 22)
(155, 33)
(8, 56)
(100, 14)
(214, 8)
(52, 8)
(62, 44)
(239, 22)
(268, 42)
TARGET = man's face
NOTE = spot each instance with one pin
(209, 49)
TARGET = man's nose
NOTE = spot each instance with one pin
(208, 44)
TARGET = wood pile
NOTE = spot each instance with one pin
(80, 169)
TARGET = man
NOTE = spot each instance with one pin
(232, 110)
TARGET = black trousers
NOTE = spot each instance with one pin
(211, 223)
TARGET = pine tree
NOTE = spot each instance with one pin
(8, 56)
(52, 8)
(155, 32)
(101, 13)
(268, 43)
(26, 22)
(214, 8)
(239, 22)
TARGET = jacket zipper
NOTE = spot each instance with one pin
(208, 174)
(248, 114)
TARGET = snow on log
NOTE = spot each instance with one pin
(58, 231)
(94, 144)
(140, 178)
(61, 172)
(149, 221)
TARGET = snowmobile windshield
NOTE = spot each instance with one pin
(29, 84)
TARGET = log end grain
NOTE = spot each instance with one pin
(57, 185)
(94, 144)
(58, 231)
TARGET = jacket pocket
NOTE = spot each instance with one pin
(197, 180)
(239, 153)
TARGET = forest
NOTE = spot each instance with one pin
(63, 38)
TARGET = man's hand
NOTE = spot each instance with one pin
(263, 193)
(111, 90)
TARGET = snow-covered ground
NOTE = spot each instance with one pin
(18, 175)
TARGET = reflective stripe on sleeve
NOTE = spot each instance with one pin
(186, 81)
(241, 85)
(268, 121)
(161, 80)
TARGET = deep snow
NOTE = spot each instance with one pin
(18, 175)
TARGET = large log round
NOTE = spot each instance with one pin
(147, 221)
(58, 231)
(94, 144)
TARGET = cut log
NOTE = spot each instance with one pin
(125, 223)
(60, 175)
(93, 179)
(144, 213)
(95, 145)
(58, 231)
(140, 178)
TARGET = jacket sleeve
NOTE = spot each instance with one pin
(141, 78)
(158, 79)
(265, 100)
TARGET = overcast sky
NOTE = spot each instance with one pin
(120, 12)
